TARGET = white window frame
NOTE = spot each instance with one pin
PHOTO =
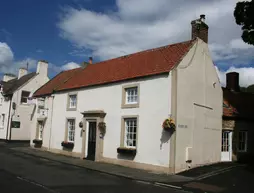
(71, 130)
(2, 117)
(129, 131)
(27, 98)
(72, 101)
(244, 141)
(40, 130)
(131, 93)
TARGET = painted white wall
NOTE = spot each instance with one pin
(155, 105)
(4, 109)
(198, 127)
(47, 124)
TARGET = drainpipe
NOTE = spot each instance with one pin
(8, 122)
(52, 108)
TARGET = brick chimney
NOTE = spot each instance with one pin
(7, 77)
(42, 68)
(90, 60)
(232, 79)
(200, 29)
(22, 72)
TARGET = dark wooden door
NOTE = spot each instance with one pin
(91, 141)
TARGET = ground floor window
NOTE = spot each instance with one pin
(2, 117)
(130, 139)
(242, 141)
(71, 130)
(40, 129)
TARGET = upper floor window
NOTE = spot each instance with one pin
(242, 141)
(24, 97)
(130, 96)
(72, 101)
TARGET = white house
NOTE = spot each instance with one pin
(133, 95)
(16, 106)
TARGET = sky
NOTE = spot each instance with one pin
(68, 32)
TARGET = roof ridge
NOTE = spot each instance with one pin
(145, 51)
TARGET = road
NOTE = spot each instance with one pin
(21, 172)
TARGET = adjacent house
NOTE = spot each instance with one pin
(238, 122)
(114, 111)
(16, 104)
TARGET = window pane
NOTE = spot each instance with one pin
(71, 130)
(131, 95)
(130, 132)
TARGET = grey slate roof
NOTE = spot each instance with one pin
(11, 86)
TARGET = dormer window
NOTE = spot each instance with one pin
(24, 97)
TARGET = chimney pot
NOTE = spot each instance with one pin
(90, 60)
(233, 81)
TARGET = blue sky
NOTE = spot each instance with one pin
(67, 32)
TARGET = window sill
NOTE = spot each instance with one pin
(127, 151)
(71, 109)
(125, 106)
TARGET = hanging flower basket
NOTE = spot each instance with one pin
(168, 125)
(68, 145)
(102, 127)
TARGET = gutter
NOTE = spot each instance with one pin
(8, 122)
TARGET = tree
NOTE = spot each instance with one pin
(244, 16)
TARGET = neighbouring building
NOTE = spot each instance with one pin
(113, 111)
(16, 105)
(238, 122)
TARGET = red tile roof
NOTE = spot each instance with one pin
(238, 104)
(59, 79)
(145, 63)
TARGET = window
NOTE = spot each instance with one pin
(24, 97)
(130, 138)
(130, 96)
(71, 130)
(40, 129)
(2, 117)
(242, 141)
(72, 102)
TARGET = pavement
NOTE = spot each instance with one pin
(220, 177)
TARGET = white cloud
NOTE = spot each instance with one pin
(246, 77)
(39, 51)
(6, 55)
(138, 25)
(70, 65)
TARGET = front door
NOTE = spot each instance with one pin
(226, 146)
(91, 140)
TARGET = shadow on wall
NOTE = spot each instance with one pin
(165, 136)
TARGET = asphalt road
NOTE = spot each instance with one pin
(23, 173)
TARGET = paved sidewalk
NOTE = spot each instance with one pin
(130, 173)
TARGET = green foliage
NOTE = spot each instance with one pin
(244, 16)
(249, 89)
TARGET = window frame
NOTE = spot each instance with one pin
(2, 120)
(245, 142)
(25, 103)
(124, 96)
(38, 130)
(123, 131)
(67, 129)
(69, 108)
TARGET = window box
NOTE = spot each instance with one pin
(68, 145)
(128, 151)
(37, 141)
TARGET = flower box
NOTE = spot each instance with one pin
(68, 145)
(127, 151)
(37, 141)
